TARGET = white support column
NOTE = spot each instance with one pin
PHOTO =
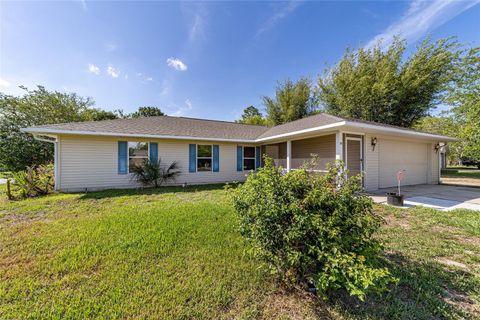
(289, 155)
(55, 165)
(339, 145)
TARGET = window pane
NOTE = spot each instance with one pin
(204, 150)
(248, 164)
(132, 162)
(204, 164)
(249, 152)
(138, 149)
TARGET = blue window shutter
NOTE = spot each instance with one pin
(122, 157)
(153, 152)
(216, 158)
(192, 166)
(258, 157)
(239, 158)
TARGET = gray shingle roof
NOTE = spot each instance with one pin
(198, 128)
(166, 126)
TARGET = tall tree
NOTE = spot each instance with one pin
(465, 97)
(252, 115)
(38, 107)
(292, 101)
(147, 112)
(383, 86)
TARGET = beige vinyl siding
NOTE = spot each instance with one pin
(92, 163)
(370, 164)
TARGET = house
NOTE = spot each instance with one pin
(99, 155)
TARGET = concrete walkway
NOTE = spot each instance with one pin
(442, 197)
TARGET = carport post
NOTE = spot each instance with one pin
(338, 145)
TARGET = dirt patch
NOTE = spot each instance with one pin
(470, 240)
(402, 221)
(461, 301)
(295, 304)
(448, 262)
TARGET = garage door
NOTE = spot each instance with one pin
(398, 155)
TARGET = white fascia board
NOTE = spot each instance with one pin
(309, 130)
(116, 134)
(399, 131)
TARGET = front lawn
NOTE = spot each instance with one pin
(176, 253)
(461, 172)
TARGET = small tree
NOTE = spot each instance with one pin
(312, 228)
(154, 173)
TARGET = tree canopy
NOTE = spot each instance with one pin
(384, 86)
(38, 107)
(292, 101)
(252, 115)
(147, 111)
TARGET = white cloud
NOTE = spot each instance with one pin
(166, 87)
(126, 76)
(278, 15)
(109, 47)
(182, 110)
(176, 64)
(420, 18)
(93, 69)
(4, 83)
(149, 79)
(114, 73)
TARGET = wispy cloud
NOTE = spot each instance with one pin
(184, 109)
(277, 16)
(197, 15)
(110, 47)
(176, 64)
(421, 17)
(114, 73)
(93, 69)
(4, 83)
(166, 88)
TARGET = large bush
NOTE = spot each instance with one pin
(310, 228)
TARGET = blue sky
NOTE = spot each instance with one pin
(202, 59)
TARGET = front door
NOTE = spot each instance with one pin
(353, 156)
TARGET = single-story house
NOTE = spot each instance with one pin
(99, 155)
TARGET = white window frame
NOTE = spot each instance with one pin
(136, 157)
(254, 158)
(211, 157)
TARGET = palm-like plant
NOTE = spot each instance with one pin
(155, 173)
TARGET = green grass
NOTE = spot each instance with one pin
(177, 254)
(461, 172)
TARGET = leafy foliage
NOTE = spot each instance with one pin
(19, 150)
(33, 181)
(292, 101)
(384, 86)
(252, 115)
(308, 229)
(155, 173)
(147, 112)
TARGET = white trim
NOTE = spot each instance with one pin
(211, 158)
(339, 145)
(128, 154)
(139, 135)
(288, 134)
(56, 168)
(397, 130)
(289, 155)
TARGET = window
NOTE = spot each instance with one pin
(137, 153)
(204, 157)
(248, 158)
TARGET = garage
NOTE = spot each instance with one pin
(395, 155)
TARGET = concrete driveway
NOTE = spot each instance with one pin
(442, 197)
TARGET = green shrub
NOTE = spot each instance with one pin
(155, 173)
(312, 228)
(34, 181)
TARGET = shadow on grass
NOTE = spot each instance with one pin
(111, 193)
(426, 291)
